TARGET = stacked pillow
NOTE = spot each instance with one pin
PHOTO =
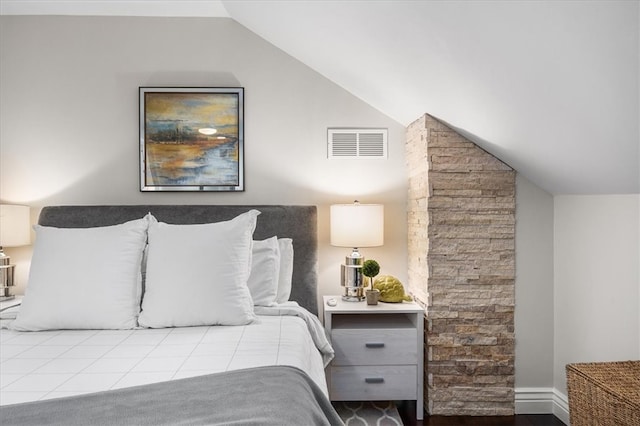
(271, 271)
(209, 274)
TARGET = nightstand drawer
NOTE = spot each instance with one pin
(393, 382)
(374, 346)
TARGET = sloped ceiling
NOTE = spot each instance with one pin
(550, 87)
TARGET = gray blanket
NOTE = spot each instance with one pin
(278, 395)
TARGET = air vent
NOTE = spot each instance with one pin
(349, 144)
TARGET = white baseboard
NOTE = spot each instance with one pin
(542, 401)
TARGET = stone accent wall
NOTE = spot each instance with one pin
(461, 224)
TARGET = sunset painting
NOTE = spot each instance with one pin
(191, 139)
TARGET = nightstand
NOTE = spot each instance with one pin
(379, 351)
(6, 311)
(6, 304)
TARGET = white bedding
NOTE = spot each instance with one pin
(50, 364)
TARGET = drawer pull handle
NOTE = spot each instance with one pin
(374, 380)
(374, 345)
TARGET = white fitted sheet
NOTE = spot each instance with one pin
(50, 364)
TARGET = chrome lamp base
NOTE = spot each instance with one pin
(351, 278)
(353, 294)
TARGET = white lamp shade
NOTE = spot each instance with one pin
(357, 225)
(15, 224)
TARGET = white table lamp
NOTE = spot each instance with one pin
(355, 225)
(14, 232)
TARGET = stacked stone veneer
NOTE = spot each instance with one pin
(462, 265)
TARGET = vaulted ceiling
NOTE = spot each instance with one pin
(550, 87)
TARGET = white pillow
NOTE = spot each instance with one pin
(85, 278)
(286, 269)
(197, 274)
(265, 272)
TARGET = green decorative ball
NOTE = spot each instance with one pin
(370, 268)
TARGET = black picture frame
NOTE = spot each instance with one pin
(191, 139)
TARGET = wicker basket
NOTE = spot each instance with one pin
(604, 393)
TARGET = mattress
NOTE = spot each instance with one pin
(51, 364)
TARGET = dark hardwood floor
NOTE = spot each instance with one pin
(408, 414)
(518, 420)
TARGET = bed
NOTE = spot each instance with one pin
(158, 314)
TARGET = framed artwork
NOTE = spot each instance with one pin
(191, 139)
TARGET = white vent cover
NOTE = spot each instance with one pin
(349, 144)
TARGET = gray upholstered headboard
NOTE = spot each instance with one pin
(296, 222)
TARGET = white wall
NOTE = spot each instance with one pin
(577, 288)
(596, 280)
(534, 286)
(69, 122)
